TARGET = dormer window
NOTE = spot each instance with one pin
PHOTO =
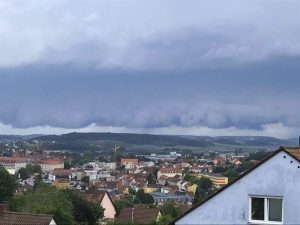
(265, 210)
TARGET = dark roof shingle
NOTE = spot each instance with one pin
(16, 218)
(140, 215)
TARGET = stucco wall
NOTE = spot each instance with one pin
(276, 177)
(109, 211)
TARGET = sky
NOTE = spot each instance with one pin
(162, 67)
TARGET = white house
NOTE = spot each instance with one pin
(269, 193)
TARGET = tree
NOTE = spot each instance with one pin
(199, 195)
(143, 198)
(38, 181)
(204, 188)
(85, 179)
(205, 183)
(220, 169)
(170, 210)
(164, 220)
(67, 165)
(119, 205)
(32, 169)
(84, 211)
(23, 173)
(131, 191)
(259, 155)
(46, 200)
(7, 185)
(185, 171)
(231, 174)
(151, 178)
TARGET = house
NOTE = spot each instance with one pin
(129, 163)
(173, 181)
(161, 198)
(60, 173)
(191, 188)
(169, 172)
(48, 165)
(162, 180)
(103, 198)
(217, 179)
(107, 165)
(152, 188)
(268, 193)
(139, 215)
(61, 183)
(13, 164)
(16, 218)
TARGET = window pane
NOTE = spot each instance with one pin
(257, 211)
(275, 209)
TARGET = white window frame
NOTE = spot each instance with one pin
(266, 210)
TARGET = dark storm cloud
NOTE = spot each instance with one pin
(72, 97)
(150, 64)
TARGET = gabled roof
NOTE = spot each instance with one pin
(97, 196)
(94, 196)
(16, 218)
(294, 152)
(62, 172)
(140, 215)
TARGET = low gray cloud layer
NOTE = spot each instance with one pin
(143, 35)
(150, 65)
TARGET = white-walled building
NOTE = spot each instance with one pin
(13, 164)
(48, 165)
(269, 193)
(107, 165)
(92, 174)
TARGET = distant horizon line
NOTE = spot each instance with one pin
(111, 132)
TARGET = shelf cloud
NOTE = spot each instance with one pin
(178, 67)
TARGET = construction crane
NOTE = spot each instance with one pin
(115, 149)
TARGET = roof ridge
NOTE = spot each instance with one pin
(290, 147)
(25, 213)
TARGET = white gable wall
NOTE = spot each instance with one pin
(276, 177)
(52, 222)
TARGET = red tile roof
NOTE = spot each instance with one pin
(170, 170)
(51, 161)
(61, 172)
(94, 196)
(12, 159)
(125, 161)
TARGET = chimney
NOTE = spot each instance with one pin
(3, 208)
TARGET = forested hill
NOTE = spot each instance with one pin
(5, 137)
(104, 141)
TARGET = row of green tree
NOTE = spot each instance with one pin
(68, 207)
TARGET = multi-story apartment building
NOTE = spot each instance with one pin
(13, 164)
(217, 179)
(48, 165)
